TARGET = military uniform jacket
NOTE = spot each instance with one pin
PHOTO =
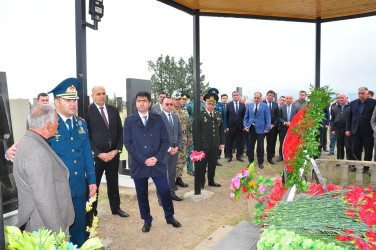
(74, 149)
(211, 130)
(185, 123)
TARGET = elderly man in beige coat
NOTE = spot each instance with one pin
(42, 178)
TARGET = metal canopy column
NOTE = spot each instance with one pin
(81, 65)
(196, 80)
(318, 52)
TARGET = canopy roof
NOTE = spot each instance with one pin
(291, 10)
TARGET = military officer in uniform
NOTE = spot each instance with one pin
(220, 108)
(190, 109)
(184, 100)
(186, 127)
(212, 138)
(71, 143)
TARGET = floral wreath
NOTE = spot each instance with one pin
(89, 206)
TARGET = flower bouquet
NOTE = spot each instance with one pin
(197, 156)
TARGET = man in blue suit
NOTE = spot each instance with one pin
(72, 144)
(358, 125)
(147, 141)
(257, 122)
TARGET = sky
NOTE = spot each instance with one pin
(37, 48)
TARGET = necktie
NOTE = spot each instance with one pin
(69, 122)
(170, 120)
(237, 107)
(256, 109)
(270, 105)
(145, 120)
(104, 117)
(288, 113)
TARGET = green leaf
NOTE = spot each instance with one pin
(14, 237)
(251, 167)
(91, 244)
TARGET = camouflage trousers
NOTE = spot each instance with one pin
(182, 161)
(189, 162)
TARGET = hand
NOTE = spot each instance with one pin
(348, 133)
(92, 189)
(103, 157)
(174, 150)
(150, 162)
(11, 152)
(226, 130)
(333, 132)
(265, 132)
(271, 126)
(326, 126)
(246, 129)
(221, 147)
(287, 124)
(112, 154)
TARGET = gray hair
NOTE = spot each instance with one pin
(364, 88)
(257, 93)
(342, 94)
(40, 116)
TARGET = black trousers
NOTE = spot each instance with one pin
(343, 142)
(237, 137)
(209, 161)
(282, 135)
(271, 140)
(360, 142)
(253, 138)
(111, 169)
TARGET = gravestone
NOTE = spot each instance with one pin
(8, 185)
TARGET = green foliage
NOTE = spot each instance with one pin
(170, 75)
(285, 239)
(308, 129)
(43, 239)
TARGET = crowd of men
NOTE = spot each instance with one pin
(70, 154)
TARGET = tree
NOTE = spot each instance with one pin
(169, 75)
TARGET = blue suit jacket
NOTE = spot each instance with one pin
(74, 149)
(144, 142)
(262, 119)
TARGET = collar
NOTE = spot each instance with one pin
(166, 113)
(142, 116)
(46, 140)
(98, 107)
(64, 118)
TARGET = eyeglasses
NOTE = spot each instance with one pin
(168, 104)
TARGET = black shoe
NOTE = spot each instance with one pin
(271, 161)
(173, 222)
(192, 172)
(176, 198)
(180, 182)
(280, 159)
(218, 164)
(240, 159)
(202, 184)
(146, 227)
(331, 153)
(214, 184)
(229, 159)
(159, 202)
(261, 166)
(121, 213)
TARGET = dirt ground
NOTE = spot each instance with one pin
(198, 219)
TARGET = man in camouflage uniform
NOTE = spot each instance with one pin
(186, 127)
(190, 109)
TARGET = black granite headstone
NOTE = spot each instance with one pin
(8, 187)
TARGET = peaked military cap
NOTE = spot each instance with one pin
(67, 89)
(184, 96)
(211, 97)
(213, 90)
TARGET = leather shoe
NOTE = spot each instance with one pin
(192, 172)
(331, 153)
(280, 159)
(202, 184)
(146, 227)
(271, 161)
(180, 182)
(176, 198)
(240, 159)
(218, 164)
(229, 159)
(261, 166)
(214, 184)
(173, 222)
(121, 213)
